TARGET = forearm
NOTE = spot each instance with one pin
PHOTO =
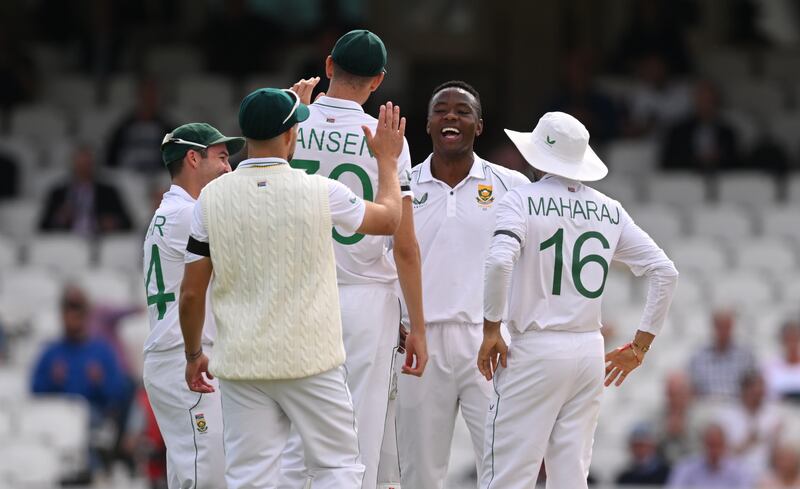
(192, 316)
(410, 276)
(388, 195)
(661, 287)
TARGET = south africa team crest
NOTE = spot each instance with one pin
(485, 197)
(200, 421)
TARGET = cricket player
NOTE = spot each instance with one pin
(264, 232)
(549, 257)
(331, 143)
(456, 194)
(190, 422)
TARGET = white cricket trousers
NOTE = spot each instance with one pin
(428, 405)
(545, 406)
(258, 415)
(370, 322)
(190, 423)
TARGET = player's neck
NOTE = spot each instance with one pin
(343, 92)
(188, 186)
(451, 169)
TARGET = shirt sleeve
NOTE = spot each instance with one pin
(404, 171)
(506, 246)
(643, 256)
(198, 235)
(347, 209)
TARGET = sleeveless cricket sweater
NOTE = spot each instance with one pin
(274, 294)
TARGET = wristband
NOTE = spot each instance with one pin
(194, 356)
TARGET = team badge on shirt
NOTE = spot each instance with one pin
(200, 421)
(485, 197)
(419, 201)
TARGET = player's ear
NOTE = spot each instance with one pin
(479, 127)
(428, 126)
(376, 82)
(329, 67)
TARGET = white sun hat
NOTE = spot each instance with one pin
(559, 145)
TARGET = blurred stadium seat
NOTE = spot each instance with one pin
(121, 252)
(767, 254)
(64, 253)
(663, 223)
(38, 124)
(29, 464)
(699, 255)
(725, 222)
(678, 188)
(749, 188)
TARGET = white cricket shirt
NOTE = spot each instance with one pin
(164, 256)
(454, 229)
(553, 243)
(331, 143)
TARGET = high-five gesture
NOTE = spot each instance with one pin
(387, 143)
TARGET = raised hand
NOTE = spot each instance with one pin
(387, 143)
(304, 88)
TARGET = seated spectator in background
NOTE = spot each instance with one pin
(80, 365)
(783, 373)
(785, 468)
(703, 141)
(674, 434)
(646, 466)
(136, 142)
(752, 425)
(83, 204)
(582, 99)
(716, 370)
(658, 100)
(713, 468)
(9, 184)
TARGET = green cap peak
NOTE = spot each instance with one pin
(197, 136)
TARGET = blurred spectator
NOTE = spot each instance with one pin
(83, 204)
(81, 365)
(9, 184)
(656, 27)
(646, 467)
(135, 144)
(582, 99)
(768, 154)
(752, 425)
(783, 373)
(703, 141)
(17, 72)
(674, 434)
(144, 442)
(716, 370)
(713, 469)
(235, 54)
(785, 470)
(658, 100)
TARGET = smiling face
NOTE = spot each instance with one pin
(454, 121)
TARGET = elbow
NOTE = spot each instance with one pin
(406, 251)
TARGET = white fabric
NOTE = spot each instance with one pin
(331, 143)
(559, 144)
(532, 215)
(195, 455)
(454, 229)
(428, 405)
(740, 425)
(169, 232)
(346, 213)
(545, 406)
(274, 294)
(367, 314)
(259, 414)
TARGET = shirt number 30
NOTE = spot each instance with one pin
(557, 240)
(312, 166)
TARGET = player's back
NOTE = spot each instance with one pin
(570, 235)
(331, 143)
(164, 253)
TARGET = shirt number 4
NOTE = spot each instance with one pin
(557, 240)
(161, 298)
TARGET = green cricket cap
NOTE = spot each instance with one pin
(269, 112)
(360, 52)
(198, 136)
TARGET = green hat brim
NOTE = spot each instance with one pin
(233, 144)
(302, 112)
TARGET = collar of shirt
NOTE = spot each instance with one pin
(477, 170)
(261, 162)
(177, 192)
(338, 103)
(567, 181)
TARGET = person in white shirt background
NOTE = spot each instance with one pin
(455, 196)
(549, 259)
(190, 422)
